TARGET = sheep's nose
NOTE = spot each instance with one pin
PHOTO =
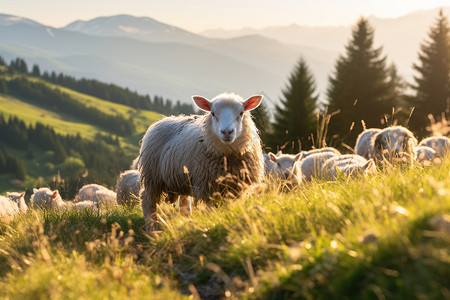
(227, 132)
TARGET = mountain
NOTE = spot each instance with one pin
(141, 28)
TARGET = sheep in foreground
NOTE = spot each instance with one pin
(394, 144)
(440, 144)
(426, 156)
(218, 153)
(98, 194)
(364, 143)
(46, 198)
(311, 167)
(349, 165)
(127, 188)
(283, 166)
(12, 205)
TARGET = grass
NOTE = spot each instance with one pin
(368, 238)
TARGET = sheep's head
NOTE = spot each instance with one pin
(16, 197)
(395, 144)
(227, 112)
(285, 163)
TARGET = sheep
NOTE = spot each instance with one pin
(311, 166)
(19, 199)
(46, 198)
(426, 156)
(364, 146)
(350, 165)
(127, 188)
(219, 153)
(12, 205)
(305, 154)
(394, 144)
(440, 144)
(98, 194)
(283, 166)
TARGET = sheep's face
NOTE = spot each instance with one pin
(395, 144)
(16, 197)
(284, 163)
(227, 112)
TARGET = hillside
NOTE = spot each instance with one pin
(40, 164)
(380, 237)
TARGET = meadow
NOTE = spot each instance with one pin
(378, 237)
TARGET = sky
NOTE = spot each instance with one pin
(199, 15)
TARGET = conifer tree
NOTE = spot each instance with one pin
(432, 84)
(262, 121)
(361, 88)
(3, 86)
(295, 115)
(36, 71)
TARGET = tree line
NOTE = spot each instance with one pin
(106, 91)
(363, 91)
(99, 161)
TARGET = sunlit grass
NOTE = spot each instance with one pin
(368, 238)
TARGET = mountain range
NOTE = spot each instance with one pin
(159, 59)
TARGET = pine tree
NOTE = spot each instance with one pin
(36, 71)
(361, 88)
(295, 116)
(262, 121)
(3, 86)
(432, 85)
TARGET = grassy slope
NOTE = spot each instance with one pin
(307, 243)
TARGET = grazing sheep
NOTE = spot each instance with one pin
(311, 166)
(218, 153)
(305, 154)
(19, 199)
(394, 144)
(127, 188)
(426, 156)
(12, 205)
(46, 198)
(364, 146)
(283, 166)
(350, 165)
(439, 143)
(96, 193)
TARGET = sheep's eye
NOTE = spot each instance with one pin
(241, 114)
(279, 164)
(213, 114)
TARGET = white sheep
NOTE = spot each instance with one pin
(364, 143)
(305, 154)
(349, 165)
(311, 166)
(46, 198)
(283, 166)
(441, 144)
(394, 144)
(98, 194)
(12, 205)
(426, 156)
(218, 153)
(127, 188)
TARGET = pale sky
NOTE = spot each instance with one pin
(198, 15)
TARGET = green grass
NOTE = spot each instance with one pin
(368, 238)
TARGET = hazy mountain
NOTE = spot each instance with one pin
(142, 28)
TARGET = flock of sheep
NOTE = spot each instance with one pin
(220, 154)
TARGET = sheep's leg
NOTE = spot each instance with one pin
(185, 205)
(150, 197)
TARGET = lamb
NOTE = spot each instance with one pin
(350, 165)
(12, 205)
(440, 144)
(283, 166)
(46, 198)
(219, 153)
(311, 166)
(426, 156)
(98, 194)
(127, 188)
(364, 146)
(394, 144)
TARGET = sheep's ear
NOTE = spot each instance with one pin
(55, 194)
(23, 194)
(202, 103)
(252, 102)
(272, 157)
(298, 156)
(279, 153)
(35, 190)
